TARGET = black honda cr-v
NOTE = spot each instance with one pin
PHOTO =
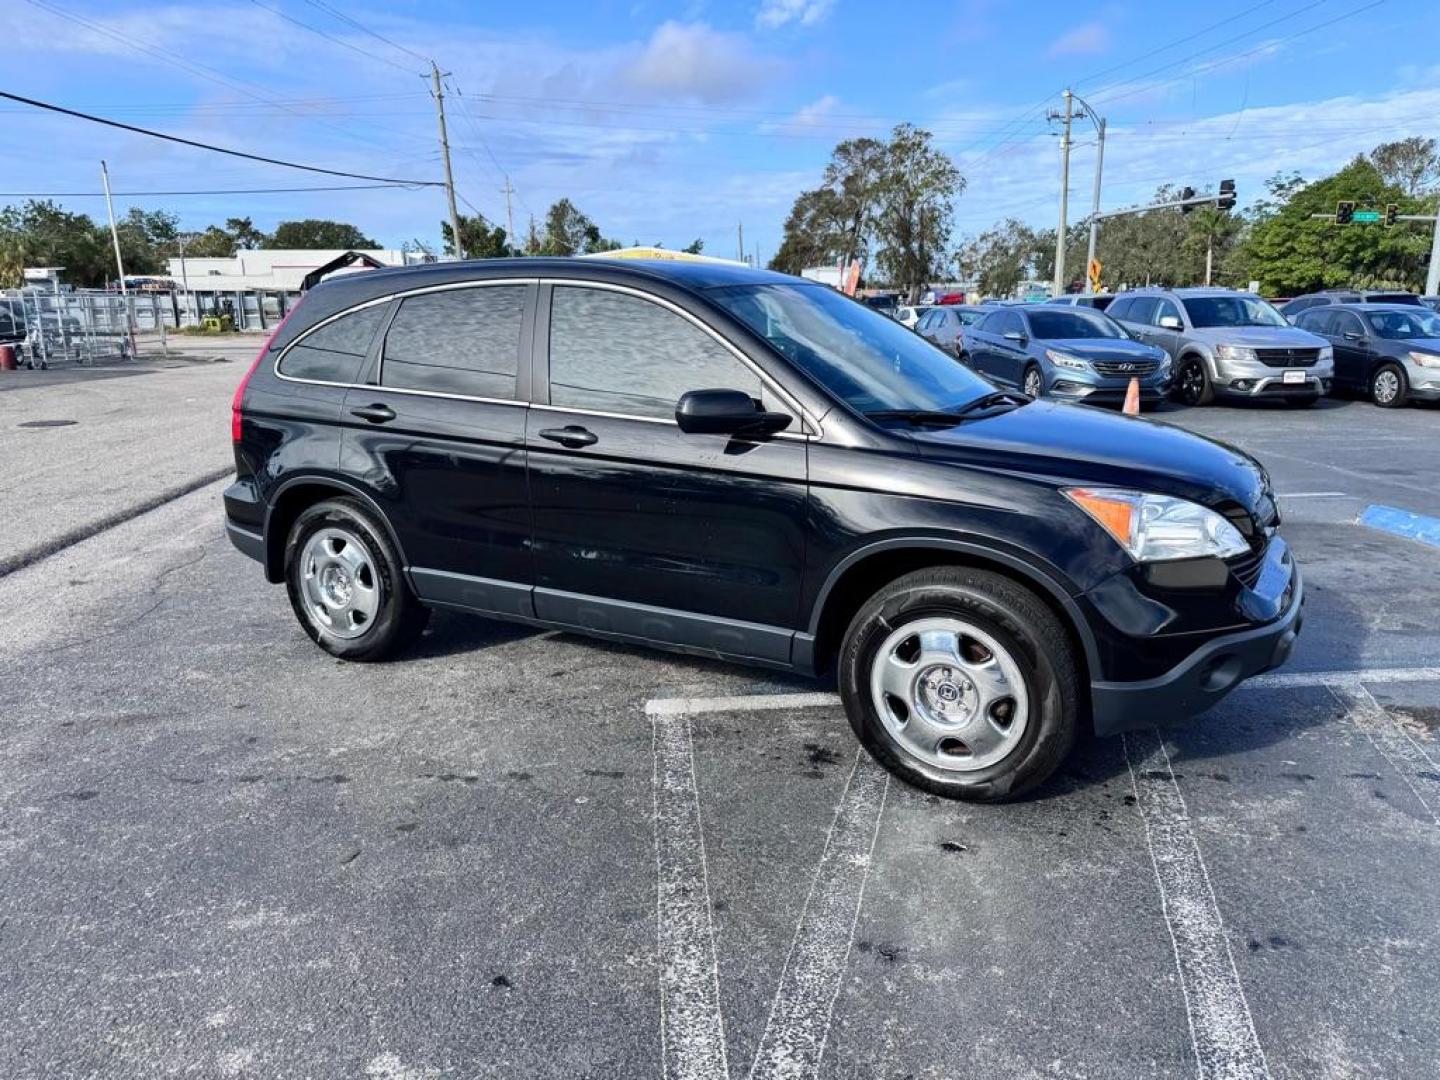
(744, 465)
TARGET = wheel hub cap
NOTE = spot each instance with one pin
(338, 583)
(949, 694)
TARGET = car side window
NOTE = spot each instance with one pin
(335, 352)
(1142, 309)
(617, 353)
(1346, 322)
(925, 320)
(1165, 307)
(1120, 309)
(1317, 322)
(457, 341)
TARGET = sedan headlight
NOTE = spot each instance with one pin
(1153, 528)
(1425, 359)
(1065, 360)
(1238, 353)
(1327, 353)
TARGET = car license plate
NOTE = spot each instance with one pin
(1294, 376)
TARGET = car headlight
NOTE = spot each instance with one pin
(1164, 366)
(1327, 352)
(1065, 360)
(1153, 528)
(1425, 359)
(1239, 353)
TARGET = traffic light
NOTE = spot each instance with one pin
(1185, 195)
(1344, 212)
(1392, 212)
(1227, 195)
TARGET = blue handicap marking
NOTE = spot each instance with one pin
(1403, 523)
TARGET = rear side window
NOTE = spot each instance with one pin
(334, 352)
(1120, 309)
(612, 352)
(1142, 309)
(458, 341)
(1317, 322)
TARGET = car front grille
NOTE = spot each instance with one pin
(1287, 357)
(1138, 368)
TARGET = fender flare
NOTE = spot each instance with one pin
(343, 486)
(1029, 572)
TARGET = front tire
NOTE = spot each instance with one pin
(962, 683)
(1388, 387)
(1192, 383)
(1033, 382)
(346, 584)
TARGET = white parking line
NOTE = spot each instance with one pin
(799, 1022)
(692, 1030)
(1221, 1028)
(1407, 757)
(689, 706)
(1315, 495)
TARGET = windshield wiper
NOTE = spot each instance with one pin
(946, 417)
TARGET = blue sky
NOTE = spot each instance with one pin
(666, 122)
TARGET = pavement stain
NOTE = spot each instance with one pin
(80, 796)
(1425, 717)
(450, 777)
(608, 774)
(953, 847)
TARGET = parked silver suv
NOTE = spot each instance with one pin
(1227, 343)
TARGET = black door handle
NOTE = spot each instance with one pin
(376, 414)
(572, 435)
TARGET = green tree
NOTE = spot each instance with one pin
(917, 189)
(835, 222)
(213, 243)
(695, 247)
(317, 233)
(40, 233)
(1288, 251)
(1412, 165)
(813, 234)
(247, 237)
(1000, 258)
(482, 239)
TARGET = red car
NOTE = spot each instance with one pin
(951, 298)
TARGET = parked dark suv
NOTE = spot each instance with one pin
(748, 466)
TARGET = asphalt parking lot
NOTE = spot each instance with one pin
(515, 854)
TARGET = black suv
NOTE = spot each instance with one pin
(748, 466)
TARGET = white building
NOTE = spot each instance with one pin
(256, 288)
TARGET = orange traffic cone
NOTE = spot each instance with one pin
(1132, 398)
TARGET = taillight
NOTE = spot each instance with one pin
(236, 416)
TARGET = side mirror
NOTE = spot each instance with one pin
(726, 412)
(1015, 336)
(1170, 322)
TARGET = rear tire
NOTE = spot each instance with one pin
(1192, 382)
(346, 583)
(962, 683)
(1388, 387)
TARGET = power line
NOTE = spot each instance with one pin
(366, 30)
(212, 191)
(330, 37)
(215, 149)
(193, 67)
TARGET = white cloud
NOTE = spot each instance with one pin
(1084, 40)
(774, 14)
(693, 60)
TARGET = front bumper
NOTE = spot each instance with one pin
(1252, 379)
(1424, 382)
(1203, 677)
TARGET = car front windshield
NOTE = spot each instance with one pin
(1405, 325)
(866, 359)
(1048, 325)
(1212, 311)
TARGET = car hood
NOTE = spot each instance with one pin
(1427, 344)
(1263, 337)
(1103, 349)
(1078, 445)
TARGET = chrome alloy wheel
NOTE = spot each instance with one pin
(339, 583)
(1387, 386)
(949, 694)
(1034, 384)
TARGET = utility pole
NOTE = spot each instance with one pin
(507, 191)
(1209, 253)
(184, 276)
(1058, 285)
(1095, 200)
(1432, 278)
(445, 157)
(119, 263)
(740, 240)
